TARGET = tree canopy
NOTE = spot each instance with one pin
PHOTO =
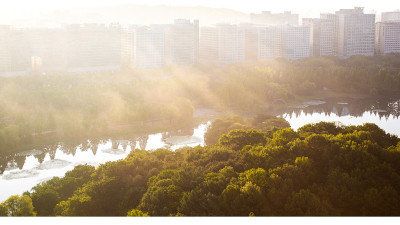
(323, 169)
(17, 205)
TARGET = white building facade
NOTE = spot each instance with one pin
(387, 38)
(182, 43)
(297, 42)
(14, 51)
(291, 42)
(390, 17)
(356, 32)
(143, 47)
(222, 44)
(270, 42)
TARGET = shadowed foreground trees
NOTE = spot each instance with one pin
(320, 170)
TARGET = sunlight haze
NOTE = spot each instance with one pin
(46, 13)
(249, 6)
(199, 108)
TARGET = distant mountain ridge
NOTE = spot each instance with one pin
(134, 14)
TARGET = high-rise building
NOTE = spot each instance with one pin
(222, 44)
(74, 48)
(231, 43)
(93, 47)
(323, 34)
(328, 35)
(144, 47)
(250, 41)
(390, 17)
(14, 52)
(315, 35)
(297, 42)
(49, 47)
(128, 47)
(387, 39)
(270, 42)
(155, 46)
(209, 40)
(291, 42)
(5, 50)
(387, 36)
(182, 43)
(356, 32)
(149, 49)
(268, 18)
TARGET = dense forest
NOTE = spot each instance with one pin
(78, 105)
(257, 167)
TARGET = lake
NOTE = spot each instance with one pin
(348, 111)
(21, 171)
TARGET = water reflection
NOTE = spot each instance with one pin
(381, 107)
(40, 157)
(51, 149)
(143, 141)
(21, 171)
(349, 111)
(20, 160)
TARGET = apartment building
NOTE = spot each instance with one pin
(182, 43)
(270, 42)
(315, 35)
(250, 41)
(297, 42)
(390, 17)
(128, 47)
(291, 42)
(328, 38)
(323, 34)
(158, 45)
(48, 49)
(5, 50)
(387, 39)
(149, 47)
(222, 44)
(387, 33)
(93, 47)
(14, 51)
(209, 45)
(144, 47)
(356, 32)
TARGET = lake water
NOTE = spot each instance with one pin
(348, 111)
(20, 172)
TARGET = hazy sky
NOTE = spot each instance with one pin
(12, 11)
(20, 6)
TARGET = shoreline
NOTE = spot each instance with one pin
(201, 115)
(113, 131)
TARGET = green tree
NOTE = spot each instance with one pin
(320, 128)
(305, 203)
(163, 194)
(283, 137)
(137, 213)
(222, 126)
(45, 201)
(237, 139)
(3, 210)
(18, 206)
